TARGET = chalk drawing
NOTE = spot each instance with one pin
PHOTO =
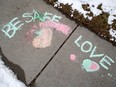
(28, 15)
(37, 15)
(106, 59)
(34, 15)
(76, 41)
(72, 57)
(42, 17)
(47, 16)
(58, 26)
(86, 43)
(90, 66)
(11, 28)
(95, 55)
(14, 25)
(30, 33)
(90, 49)
(56, 18)
(43, 40)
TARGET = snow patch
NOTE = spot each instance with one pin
(108, 6)
(112, 33)
(7, 77)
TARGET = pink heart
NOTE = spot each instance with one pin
(44, 40)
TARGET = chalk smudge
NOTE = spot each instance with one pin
(39, 33)
(109, 75)
(58, 26)
(30, 32)
(102, 75)
(90, 66)
(105, 59)
(43, 40)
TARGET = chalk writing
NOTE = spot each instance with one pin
(87, 43)
(47, 16)
(14, 25)
(106, 59)
(42, 17)
(95, 55)
(37, 15)
(90, 66)
(11, 28)
(76, 41)
(90, 48)
(34, 15)
(55, 18)
(58, 26)
(28, 15)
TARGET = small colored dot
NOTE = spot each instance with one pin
(72, 57)
(102, 75)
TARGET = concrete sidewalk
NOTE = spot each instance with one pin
(54, 66)
(64, 71)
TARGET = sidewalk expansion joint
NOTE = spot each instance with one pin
(33, 81)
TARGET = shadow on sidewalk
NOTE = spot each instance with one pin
(14, 67)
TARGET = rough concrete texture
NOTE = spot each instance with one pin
(52, 66)
(66, 72)
(16, 49)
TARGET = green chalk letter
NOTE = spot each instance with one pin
(47, 16)
(95, 55)
(37, 15)
(11, 28)
(106, 59)
(55, 18)
(76, 41)
(90, 48)
(28, 15)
